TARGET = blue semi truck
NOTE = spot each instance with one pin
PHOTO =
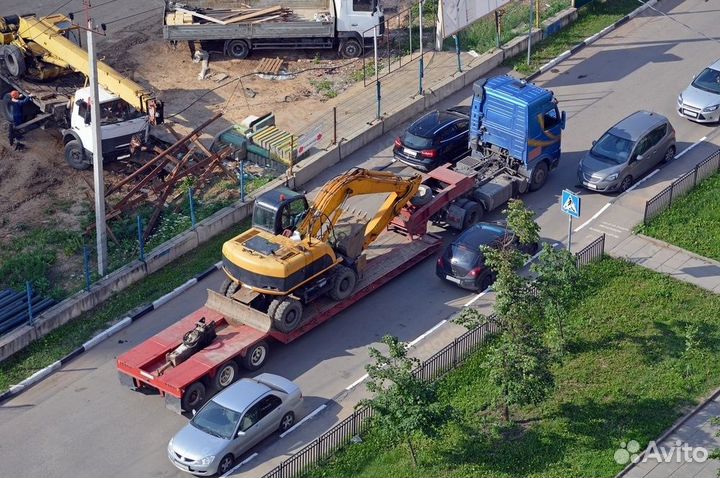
(514, 140)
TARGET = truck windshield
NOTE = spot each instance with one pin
(117, 111)
(363, 5)
(612, 148)
(216, 420)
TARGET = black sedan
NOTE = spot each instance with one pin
(462, 262)
(437, 138)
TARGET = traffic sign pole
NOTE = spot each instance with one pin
(570, 205)
(569, 231)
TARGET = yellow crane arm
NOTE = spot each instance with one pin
(326, 210)
(46, 33)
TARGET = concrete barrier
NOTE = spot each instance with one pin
(225, 218)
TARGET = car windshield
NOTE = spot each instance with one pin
(463, 255)
(216, 420)
(481, 234)
(612, 148)
(416, 142)
(708, 80)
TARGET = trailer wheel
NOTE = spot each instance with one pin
(238, 49)
(226, 375)
(350, 48)
(287, 314)
(228, 288)
(343, 283)
(256, 356)
(193, 397)
(75, 155)
(473, 213)
(539, 176)
(14, 60)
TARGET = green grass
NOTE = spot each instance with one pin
(68, 337)
(693, 221)
(627, 375)
(592, 18)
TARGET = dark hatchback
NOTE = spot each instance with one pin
(436, 138)
(462, 262)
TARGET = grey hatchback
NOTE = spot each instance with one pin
(627, 151)
(233, 421)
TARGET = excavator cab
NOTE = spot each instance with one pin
(279, 210)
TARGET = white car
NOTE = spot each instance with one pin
(232, 422)
(701, 100)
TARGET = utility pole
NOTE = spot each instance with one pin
(530, 23)
(100, 226)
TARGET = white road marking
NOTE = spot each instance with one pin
(594, 216)
(611, 228)
(679, 155)
(472, 301)
(246, 460)
(357, 382)
(615, 226)
(312, 414)
(437, 326)
(641, 181)
(603, 232)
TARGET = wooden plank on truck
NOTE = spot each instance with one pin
(259, 13)
(200, 15)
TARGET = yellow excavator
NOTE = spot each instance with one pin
(295, 253)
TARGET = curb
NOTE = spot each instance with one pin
(591, 39)
(40, 375)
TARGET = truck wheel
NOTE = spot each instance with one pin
(287, 314)
(473, 213)
(14, 60)
(228, 288)
(343, 283)
(226, 375)
(539, 176)
(238, 49)
(256, 356)
(75, 155)
(350, 48)
(193, 397)
(6, 111)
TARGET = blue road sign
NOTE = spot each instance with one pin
(570, 203)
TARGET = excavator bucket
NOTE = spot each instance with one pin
(237, 313)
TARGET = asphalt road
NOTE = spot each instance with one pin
(81, 422)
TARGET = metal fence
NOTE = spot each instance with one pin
(436, 366)
(18, 308)
(681, 186)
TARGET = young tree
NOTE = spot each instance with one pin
(403, 404)
(518, 362)
(557, 280)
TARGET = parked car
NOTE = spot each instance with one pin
(700, 101)
(436, 138)
(232, 422)
(463, 263)
(627, 151)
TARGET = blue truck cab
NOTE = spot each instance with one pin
(518, 125)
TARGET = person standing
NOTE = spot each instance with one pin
(17, 102)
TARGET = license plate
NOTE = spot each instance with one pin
(410, 152)
(692, 114)
(591, 186)
(452, 279)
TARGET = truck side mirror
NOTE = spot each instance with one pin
(563, 119)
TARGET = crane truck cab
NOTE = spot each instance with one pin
(119, 122)
(518, 124)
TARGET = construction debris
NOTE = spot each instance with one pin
(186, 16)
(270, 66)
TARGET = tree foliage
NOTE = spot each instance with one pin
(403, 405)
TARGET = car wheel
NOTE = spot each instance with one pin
(193, 397)
(539, 176)
(486, 281)
(256, 356)
(625, 184)
(287, 421)
(226, 375)
(226, 464)
(669, 154)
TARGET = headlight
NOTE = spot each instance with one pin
(710, 108)
(612, 177)
(680, 99)
(205, 461)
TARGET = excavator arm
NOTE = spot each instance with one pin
(326, 209)
(48, 33)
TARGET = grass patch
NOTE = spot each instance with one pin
(644, 348)
(592, 18)
(693, 221)
(68, 337)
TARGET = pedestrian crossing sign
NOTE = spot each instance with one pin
(570, 203)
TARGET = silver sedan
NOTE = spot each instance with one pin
(232, 422)
(701, 100)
